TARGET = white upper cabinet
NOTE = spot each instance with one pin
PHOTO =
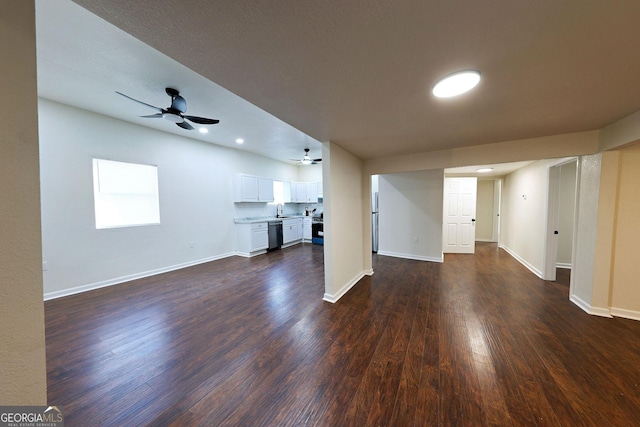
(304, 192)
(249, 188)
(286, 192)
(312, 192)
(301, 192)
(265, 190)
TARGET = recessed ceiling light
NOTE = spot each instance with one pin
(203, 130)
(484, 170)
(240, 141)
(456, 83)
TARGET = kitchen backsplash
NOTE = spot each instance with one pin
(258, 210)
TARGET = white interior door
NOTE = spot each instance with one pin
(459, 230)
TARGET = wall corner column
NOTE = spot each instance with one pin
(22, 342)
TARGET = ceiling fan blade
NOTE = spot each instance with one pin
(153, 116)
(185, 125)
(140, 102)
(317, 160)
(201, 120)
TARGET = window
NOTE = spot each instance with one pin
(278, 193)
(125, 194)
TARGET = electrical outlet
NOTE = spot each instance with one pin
(415, 239)
(192, 244)
(44, 266)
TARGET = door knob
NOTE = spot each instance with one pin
(473, 220)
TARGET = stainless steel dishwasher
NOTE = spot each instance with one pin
(275, 235)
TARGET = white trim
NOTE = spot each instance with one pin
(292, 243)
(627, 314)
(561, 162)
(245, 254)
(369, 272)
(486, 240)
(334, 298)
(497, 197)
(522, 261)
(576, 209)
(587, 308)
(564, 265)
(411, 256)
(129, 277)
(551, 221)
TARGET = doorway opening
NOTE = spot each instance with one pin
(561, 217)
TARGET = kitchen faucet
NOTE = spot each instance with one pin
(279, 210)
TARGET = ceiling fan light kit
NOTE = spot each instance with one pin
(176, 112)
(306, 160)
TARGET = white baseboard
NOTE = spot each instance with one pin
(563, 265)
(333, 298)
(586, 307)
(129, 277)
(522, 261)
(486, 240)
(627, 314)
(248, 254)
(411, 256)
(295, 242)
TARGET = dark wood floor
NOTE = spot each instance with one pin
(477, 340)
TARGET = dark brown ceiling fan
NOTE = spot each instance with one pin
(176, 112)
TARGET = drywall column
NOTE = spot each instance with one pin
(625, 292)
(23, 379)
(582, 276)
(343, 221)
(605, 231)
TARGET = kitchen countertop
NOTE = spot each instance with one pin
(252, 220)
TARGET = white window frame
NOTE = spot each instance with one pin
(125, 194)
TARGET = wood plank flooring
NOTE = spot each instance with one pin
(475, 341)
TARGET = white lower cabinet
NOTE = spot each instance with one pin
(300, 231)
(306, 229)
(290, 230)
(252, 239)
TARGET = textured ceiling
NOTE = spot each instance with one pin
(359, 72)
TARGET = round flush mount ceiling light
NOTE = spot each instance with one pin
(203, 130)
(239, 141)
(456, 84)
(484, 170)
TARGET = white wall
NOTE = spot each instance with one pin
(484, 210)
(196, 207)
(523, 214)
(410, 206)
(566, 213)
(587, 224)
(310, 173)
